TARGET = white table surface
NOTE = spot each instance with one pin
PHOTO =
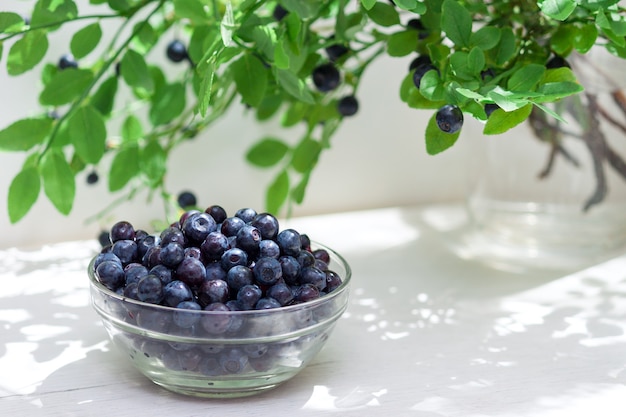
(427, 333)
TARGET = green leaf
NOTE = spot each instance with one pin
(27, 52)
(456, 22)
(23, 193)
(135, 71)
(23, 134)
(506, 48)
(485, 38)
(269, 106)
(437, 140)
(407, 4)
(557, 9)
(277, 192)
(558, 90)
(298, 192)
(58, 180)
(85, 40)
(303, 8)
(104, 97)
(132, 130)
(250, 78)
(267, 152)
(431, 86)
(167, 104)
(368, 4)
(88, 133)
(65, 86)
(281, 59)
(500, 121)
(124, 167)
(152, 162)
(562, 41)
(526, 78)
(294, 85)
(146, 37)
(402, 43)
(475, 61)
(10, 22)
(194, 10)
(384, 14)
(305, 155)
(586, 38)
(47, 12)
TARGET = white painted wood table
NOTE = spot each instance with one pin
(427, 333)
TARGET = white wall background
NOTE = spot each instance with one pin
(378, 159)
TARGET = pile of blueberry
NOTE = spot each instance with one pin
(209, 261)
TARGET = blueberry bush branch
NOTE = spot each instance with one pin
(300, 62)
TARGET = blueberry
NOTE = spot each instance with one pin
(348, 106)
(175, 293)
(110, 274)
(267, 303)
(248, 296)
(67, 61)
(214, 270)
(557, 62)
(164, 273)
(217, 212)
(306, 292)
(267, 271)
(216, 323)
(150, 289)
(104, 238)
(305, 258)
(210, 366)
(290, 268)
(126, 251)
(186, 318)
(333, 280)
(420, 60)
(281, 292)
(198, 226)
(232, 257)
(239, 276)
(255, 350)
(326, 77)
(186, 214)
(321, 254)
(92, 178)
(269, 248)
(213, 291)
(305, 242)
(246, 214)
(490, 108)
(267, 225)
(336, 51)
(152, 257)
(214, 246)
(312, 275)
(248, 239)
(173, 234)
(154, 320)
(289, 242)
(449, 118)
(106, 256)
(186, 199)
(133, 272)
(176, 51)
(231, 225)
(171, 254)
(191, 271)
(144, 243)
(279, 12)
(420, 71)
(233, 361)
(417, 25)
(122, 230)
(130, 291)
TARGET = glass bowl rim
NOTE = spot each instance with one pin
(345, 282)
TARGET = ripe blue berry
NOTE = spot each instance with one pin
(186, 199)
(326, 77)
(449, 118)
(348, 106)
(67, 61)
(150, 289)
(267, 225)
(267, 271)
(289, 242)
(176, 292)
(122, 230)
(176, 51)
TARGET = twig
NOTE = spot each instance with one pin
(595, 141)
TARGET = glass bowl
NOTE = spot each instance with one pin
(259, 350)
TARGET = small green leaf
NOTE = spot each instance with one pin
(23, 134)
(27, 52)
(305, 155)
(456, 22)
(88, 133)
(65, 86)
(562, 41)
(58, 180)
(267, 152)
(407, 4)
(167, 104)
(281, 59)
(586, 38)
(23, 193)
(10, 22)
(135, 71)
(124, 167)
(132, 130)
(47, 12)
(485, 38)
(500, 121)
(384, 14)
(152, 162)
(475, 61)
(558, 90)
(145, 38)
(269, 106)
(526, 78)
(298, 192)
(104, 97)
(431, 86)
(250, 78)
(437, 140)
(303, 8)
(294, 85)
(277, 192)
(194, 10)
(506, 48)
(557, 9)
(368, 4)
(402, 43)
(85, 40)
